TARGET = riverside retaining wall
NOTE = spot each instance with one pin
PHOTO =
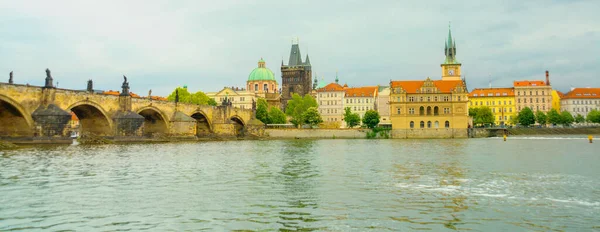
(317, 133)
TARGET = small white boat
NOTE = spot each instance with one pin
(74, 136)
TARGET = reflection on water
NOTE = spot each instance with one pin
(298, 185)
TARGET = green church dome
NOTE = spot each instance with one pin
(262, 73)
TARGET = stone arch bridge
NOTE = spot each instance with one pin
(33, 111)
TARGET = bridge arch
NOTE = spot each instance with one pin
(239, 124)
(92, 118)
(14, 119)
(203, 123)
(155, 121)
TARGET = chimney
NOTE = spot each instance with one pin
(547, 78)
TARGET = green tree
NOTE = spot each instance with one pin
(184, 95)
(526, 117)
(198, 98)
(567, 118)
(311, 116)
(351, 119)
(276, 116)
(554, 117)
(594, 116)
(473, 111)
(579, 118)
(262, 113)
(212, 102)
(483, 115)
(541, 118)
(297, 106)
(371, 118)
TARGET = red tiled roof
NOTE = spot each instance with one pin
(560, 94)
(529, 83)
(331, 87)
(368, 91)
(496, 92)
(117, 93)
(74, 117)
(443, 86)
(583, 93)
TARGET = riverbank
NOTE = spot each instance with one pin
(499, 132)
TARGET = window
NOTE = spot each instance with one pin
(422, 124)
(543, 100)
(537, 100)
(411, 99)
(421, 110)
(542, 92)
(255, 87)
(447, 124)
(476, 103)
(436, 124)
(446, 110)
(493, 110)
(530, 92)
(242, 98)
(435, 98)
(536, 92)
(474, 95)
(499, 118)
(412, 124)
(429, 110)
(411, 111)
(446, 98)
(436, 110)
(398, 110)
(421, 99)
(428, 99)
(510, 110)
(266, 88)
(458, 98)
(519, 100)
(428, 124)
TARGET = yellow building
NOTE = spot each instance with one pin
(500, 100)
(556, 97)
(431, 108)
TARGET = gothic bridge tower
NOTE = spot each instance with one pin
(296, 76)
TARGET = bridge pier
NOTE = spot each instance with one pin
(50, 121)
(182, 125)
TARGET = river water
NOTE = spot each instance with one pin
(523, 184)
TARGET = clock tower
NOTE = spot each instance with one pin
(451, 66)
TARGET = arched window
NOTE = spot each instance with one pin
(255, 87)
(429, 110)
(436, 110)
(436, 124)
(428, 124)
(421, 110)
(422, 124)
(412, 124)
(266, 88)
(447, 124)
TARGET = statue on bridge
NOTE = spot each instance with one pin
(125, 87)
(90, 86)
(49, 80)
(176, 96)
(10, 79)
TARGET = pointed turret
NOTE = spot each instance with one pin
(307, 61)
(336, 77)
(450, 49)
(295, 57)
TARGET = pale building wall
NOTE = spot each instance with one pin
(580, 105)
(383, 106)
(537, 98)
(331, 105)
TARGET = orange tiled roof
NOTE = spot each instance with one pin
(496, 92)
(529, 83)
(158, 98)
(368, 91)
(413, 86)
(583, 93)
(560, 94)
(331, 87)
(117, 93)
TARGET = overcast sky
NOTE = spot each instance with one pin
(206, 45)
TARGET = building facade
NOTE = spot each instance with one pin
(500, 100)
(361, 99)
(240, 98)
(537, 95)
(431, 108)
(382, 105)
(581, 101)
(296, 76)
(331, 103)
(556, 98)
